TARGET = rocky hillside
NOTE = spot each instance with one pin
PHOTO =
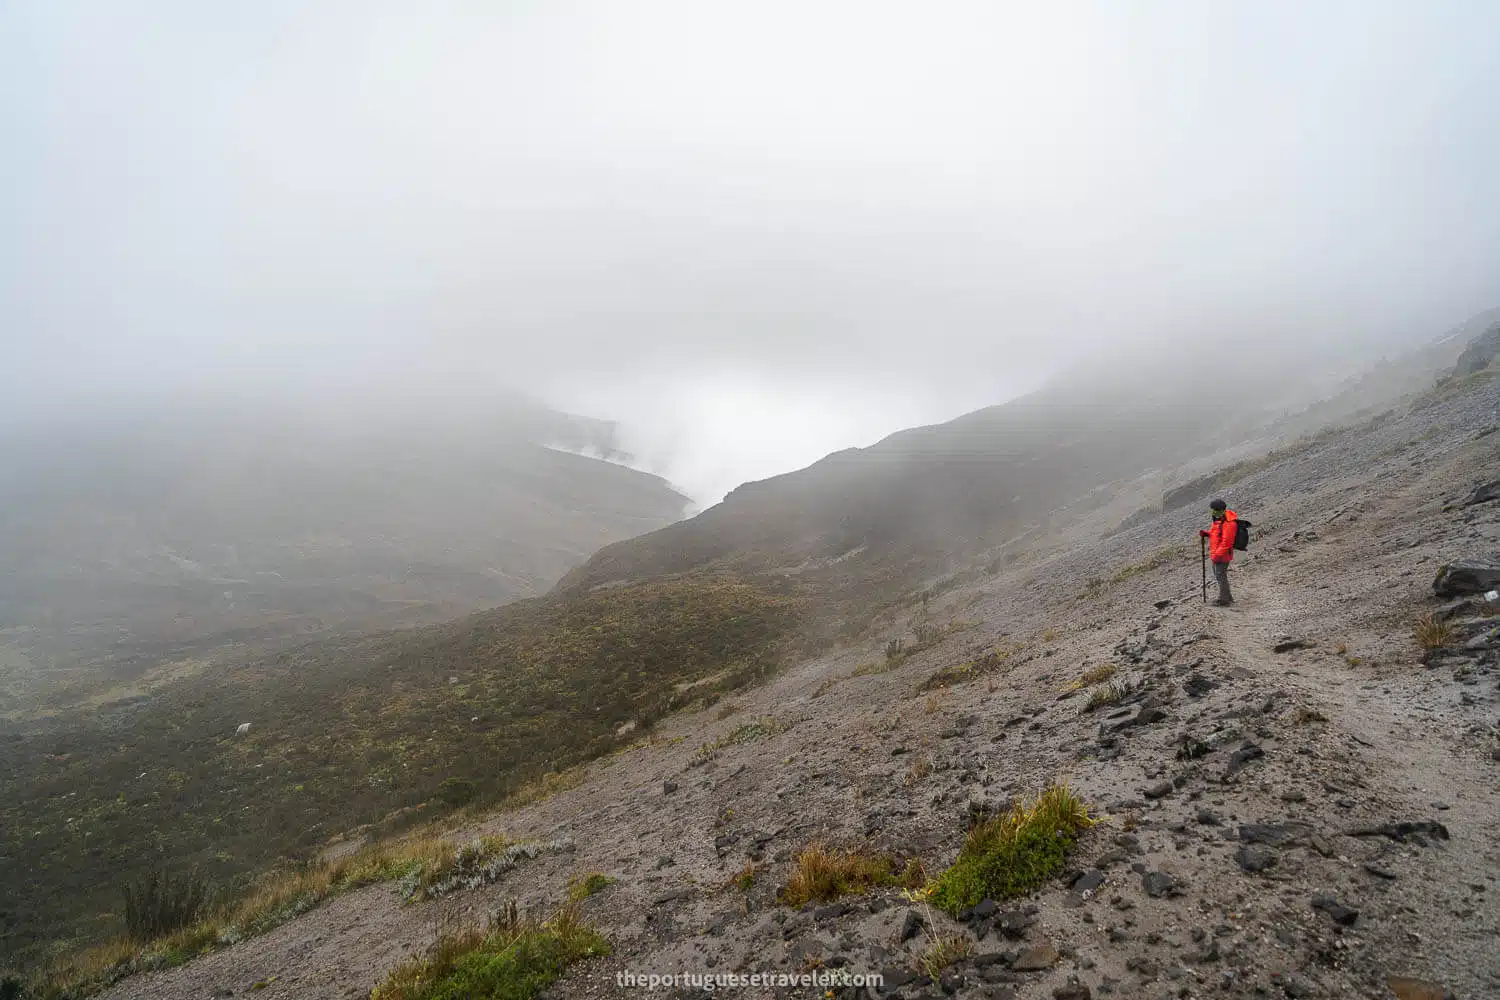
(1292, 797)
(888, 514)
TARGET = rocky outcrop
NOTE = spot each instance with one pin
(1480, 352)
(1469, 576)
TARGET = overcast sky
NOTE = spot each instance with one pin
(756, 232)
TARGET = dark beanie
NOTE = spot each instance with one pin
(1217, 505)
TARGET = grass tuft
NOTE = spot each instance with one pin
(1099, 674)
(744, 879)
(1432, 632)
(1106, 695)
(584, 886)
(1013, 853)
(824, 874)
(513, 959)
(766, 725)
(944, 952)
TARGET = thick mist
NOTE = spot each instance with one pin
(753, 233)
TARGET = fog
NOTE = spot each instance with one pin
(752, 232)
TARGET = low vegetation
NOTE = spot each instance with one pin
(160, 903)
(587, 885)
(1106, 695)
(387, 730)
(943, 952)
(1433, 632)
(513, 959)
(744, 879)
(1096, 586)
(991, 662)
(1098, 675)
(1013, 853)
(766, 725)
(184, 924)
(824, 874)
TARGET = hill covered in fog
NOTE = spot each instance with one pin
(902, 507)
(186, 531)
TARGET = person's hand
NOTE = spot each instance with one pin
(1202, 534)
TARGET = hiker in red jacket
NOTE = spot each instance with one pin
(1221, 548)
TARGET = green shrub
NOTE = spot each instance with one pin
(1013, 853)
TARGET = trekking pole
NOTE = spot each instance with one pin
(1203, 562)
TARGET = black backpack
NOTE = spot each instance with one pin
(1242, 533)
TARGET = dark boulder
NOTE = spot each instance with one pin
(1468, 576)
(1487, 493)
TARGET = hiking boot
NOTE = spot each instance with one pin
(1224, 602)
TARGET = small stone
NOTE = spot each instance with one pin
(1072, 991)
(1013, 923)
(1197, 685)
(1160, 884)
(1404, 831)
(1340, 914)
(668, 787)
(1088, 881)
(1240, 758)
(1379, 872)
(1042, 956)
(1272, 834)
(830, 912)
(1159, 790)
(1293, 795)
(1253, 858)
(894, 977)
(1297, 987)
(1208, 817)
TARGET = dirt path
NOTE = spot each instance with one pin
(1401, 753)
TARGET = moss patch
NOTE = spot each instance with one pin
(1013, 853)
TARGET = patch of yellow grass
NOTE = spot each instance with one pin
(544, 788)
(944, 952)
(1432, 632)
(1099, 674)
(920, 768)
(823, 873)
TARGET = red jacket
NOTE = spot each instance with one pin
(1221, 538)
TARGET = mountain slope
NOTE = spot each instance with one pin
(175, 536)
(900, 507)
(1307, 818)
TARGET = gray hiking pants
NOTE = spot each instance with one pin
(1221, 576)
